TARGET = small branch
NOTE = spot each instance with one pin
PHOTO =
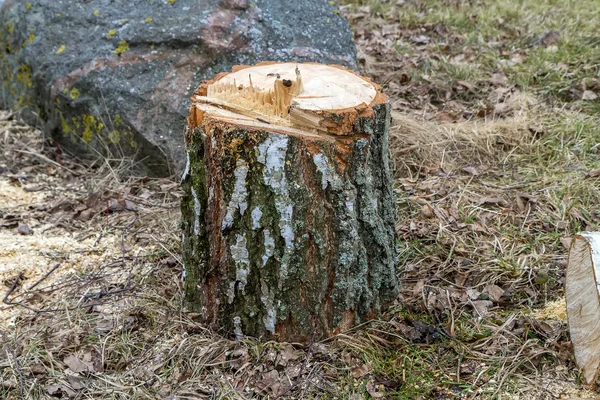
(16, 303)
(12, 288)
(45, 276)
(31, 153)
(519, 186)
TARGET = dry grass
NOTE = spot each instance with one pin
(492, 181)
(493, 145)
(424, 146)
(123, 310)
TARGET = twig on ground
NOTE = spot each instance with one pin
(45, 276)
(12, 288)
(42, 157)
(513, 187)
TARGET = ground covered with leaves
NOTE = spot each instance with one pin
(495, 144)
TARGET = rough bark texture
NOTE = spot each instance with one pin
(286, 234)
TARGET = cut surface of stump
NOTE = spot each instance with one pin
(288, 212)
(583, 303)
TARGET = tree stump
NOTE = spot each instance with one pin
(288, 211)
(582, 289)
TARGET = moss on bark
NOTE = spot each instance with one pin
(286, 235)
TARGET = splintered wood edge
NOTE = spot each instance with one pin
(299, 122)
(582, 290)
(220, 115)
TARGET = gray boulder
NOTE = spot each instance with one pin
(113, 77)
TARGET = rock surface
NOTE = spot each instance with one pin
(114, 77)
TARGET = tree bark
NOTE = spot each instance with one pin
(288, 213)
(583, 303)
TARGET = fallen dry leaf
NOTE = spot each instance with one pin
(473, 293)
(391, 29)
(38, 369)
(84, 215)
(420, 39)
(481, 307)
(373, 390)
(492, 200)
(427, 211)
(103, 327)
(239, 358)
(566, 242)
(471, 170)
(594, 173)
(466, 85)
(82, 363)
(359, 371)
(270, 383)
(588, 95)
(146, 194)
(287, 354)
(495, 292)
(23, 229)
(502, 108)
(115, 205)
(530, 198)
(550, 38)
(60, 390)
(75, 382)
(498, 79)
(520, 203)
(410, 332)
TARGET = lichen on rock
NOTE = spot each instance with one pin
(97, 63)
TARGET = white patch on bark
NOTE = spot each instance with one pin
(197, 211)
(267, 299)
(237, 328)
(240, 256)
(349, 201)
(322, 164)
(231, 292)
(184, 269)
(271, 153)
(350, 206)
(186, 171)
(269, 246)
(375, 204)
(361, 143)
(238, 197)
(328, 174)
(256, 215)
